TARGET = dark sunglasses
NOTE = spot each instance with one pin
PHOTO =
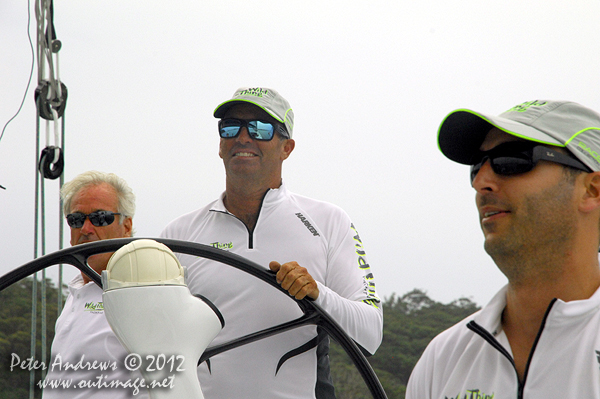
(517, 157)
(258, 130)
(98, 218)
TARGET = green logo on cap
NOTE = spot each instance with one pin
(525, 106)
(257, 92)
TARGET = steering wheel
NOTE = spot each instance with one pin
(312, 314)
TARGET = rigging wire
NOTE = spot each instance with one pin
(60, 225)
(35, 276)
(30, 74)
(33, 335)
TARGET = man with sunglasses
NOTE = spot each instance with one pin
(312, 247)
(536, 173)
(98, 206)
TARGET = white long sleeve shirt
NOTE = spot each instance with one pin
(321, 238)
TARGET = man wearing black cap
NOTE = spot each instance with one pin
(311, 245)
(535, 169)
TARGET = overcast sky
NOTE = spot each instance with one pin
(369, 81)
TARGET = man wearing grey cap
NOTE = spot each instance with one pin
(312, 246)
(536, 173)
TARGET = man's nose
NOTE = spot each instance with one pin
(87, 227)
(244, 136)
(485, 179)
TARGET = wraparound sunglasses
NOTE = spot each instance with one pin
(517, 157)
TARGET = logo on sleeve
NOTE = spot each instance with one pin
(368, 280)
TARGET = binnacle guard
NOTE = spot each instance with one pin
(152, 312)
(142, 263)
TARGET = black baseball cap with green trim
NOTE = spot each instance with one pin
(557, 123)
(267, 99)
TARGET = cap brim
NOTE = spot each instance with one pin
(461, 133)
(223, 107)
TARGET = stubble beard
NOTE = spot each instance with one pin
(535, 245)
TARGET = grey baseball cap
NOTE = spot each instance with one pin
(268, 99)
(558, 123)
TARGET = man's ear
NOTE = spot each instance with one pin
(128, 224)
(288, 147)
(591, 198)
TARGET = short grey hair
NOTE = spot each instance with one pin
(125, 196)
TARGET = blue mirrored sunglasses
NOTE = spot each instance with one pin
(257, 129)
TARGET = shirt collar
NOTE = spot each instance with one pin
(273, 196)
(77, 283)
(490, 316)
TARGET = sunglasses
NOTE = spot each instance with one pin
(258, 130)
(517, 157)
(98, 218)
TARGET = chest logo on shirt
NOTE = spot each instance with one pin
(94, 307)
(307, 224)
(222, 245)
(472, 394)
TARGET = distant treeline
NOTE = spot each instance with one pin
(15, 334)
(410, 322)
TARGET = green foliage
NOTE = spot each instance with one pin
(410, 323)
(15, 334)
